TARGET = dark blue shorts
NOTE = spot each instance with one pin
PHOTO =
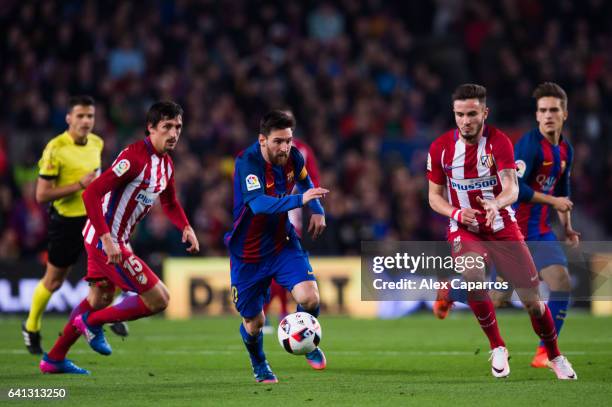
(546, 250)
(251, 281)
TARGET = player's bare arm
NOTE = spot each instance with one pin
(113, 253)
(314, 193)
(572, 238)
(439, 203)
(47, 191)
(508, 196)
(189, 236)
(560, 203)
(317, 225)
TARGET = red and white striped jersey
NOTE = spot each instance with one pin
(471, 171)
(127, 191)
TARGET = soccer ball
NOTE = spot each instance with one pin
(299, 333)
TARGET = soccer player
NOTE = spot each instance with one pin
(543, 160)
(473, 181)
(115, 203)
(263, 244)
(295, 217)
(69, 163)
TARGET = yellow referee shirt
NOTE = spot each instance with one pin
(66, 163)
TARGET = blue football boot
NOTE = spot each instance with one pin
(62, 366)
(93, 334)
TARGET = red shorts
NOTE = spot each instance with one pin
(506, 249)
(132, 274)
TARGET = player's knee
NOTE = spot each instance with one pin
(254, 325)
(53, 280)
(160, 303)
(472, 275)
(562, 281)
(98, 299)
(311, 301)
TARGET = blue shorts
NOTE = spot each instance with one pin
(546, 250)
(251, 281)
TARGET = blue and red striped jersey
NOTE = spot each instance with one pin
(262, 198)
(541, 167)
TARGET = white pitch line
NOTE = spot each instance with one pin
(187, 352)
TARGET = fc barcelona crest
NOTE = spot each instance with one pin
(486, 160)
(290, 176)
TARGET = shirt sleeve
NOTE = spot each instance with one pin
(171, 206)
(435, 172)
(304, 182)
(312, 166)
(563, 186)
(524, 156)
(125, 168)
(49, 165)
(503, 153)
(251, 179)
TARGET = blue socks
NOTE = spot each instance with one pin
(314, 313)
(558, 304)
(254, 345)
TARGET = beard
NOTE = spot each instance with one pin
(473, 134)
(280, 159)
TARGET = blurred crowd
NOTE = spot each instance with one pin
(368, 81)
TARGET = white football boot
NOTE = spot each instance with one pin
(563, 368)
(499, 362)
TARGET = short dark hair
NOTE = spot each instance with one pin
(276, 120)
(550, 89)
(163, 110)
(80, 100)
(470, 91)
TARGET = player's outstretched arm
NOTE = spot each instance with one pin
(269, 204)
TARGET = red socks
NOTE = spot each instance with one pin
(70, 335)
(485, 313)
(544, 327)
(130, 308)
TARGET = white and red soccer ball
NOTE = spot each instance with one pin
(299, 333)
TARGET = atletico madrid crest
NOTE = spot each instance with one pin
(486, 160)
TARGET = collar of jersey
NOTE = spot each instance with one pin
(150, 148)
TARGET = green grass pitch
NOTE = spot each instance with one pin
(411, 361)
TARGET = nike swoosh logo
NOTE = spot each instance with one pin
(498, 370)
(310, 272)
(270, 185)
(547, 163)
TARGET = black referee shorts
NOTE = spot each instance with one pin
(65, 238)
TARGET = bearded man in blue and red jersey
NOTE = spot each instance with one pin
(262, 243)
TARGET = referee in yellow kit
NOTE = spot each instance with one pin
(69, 163)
